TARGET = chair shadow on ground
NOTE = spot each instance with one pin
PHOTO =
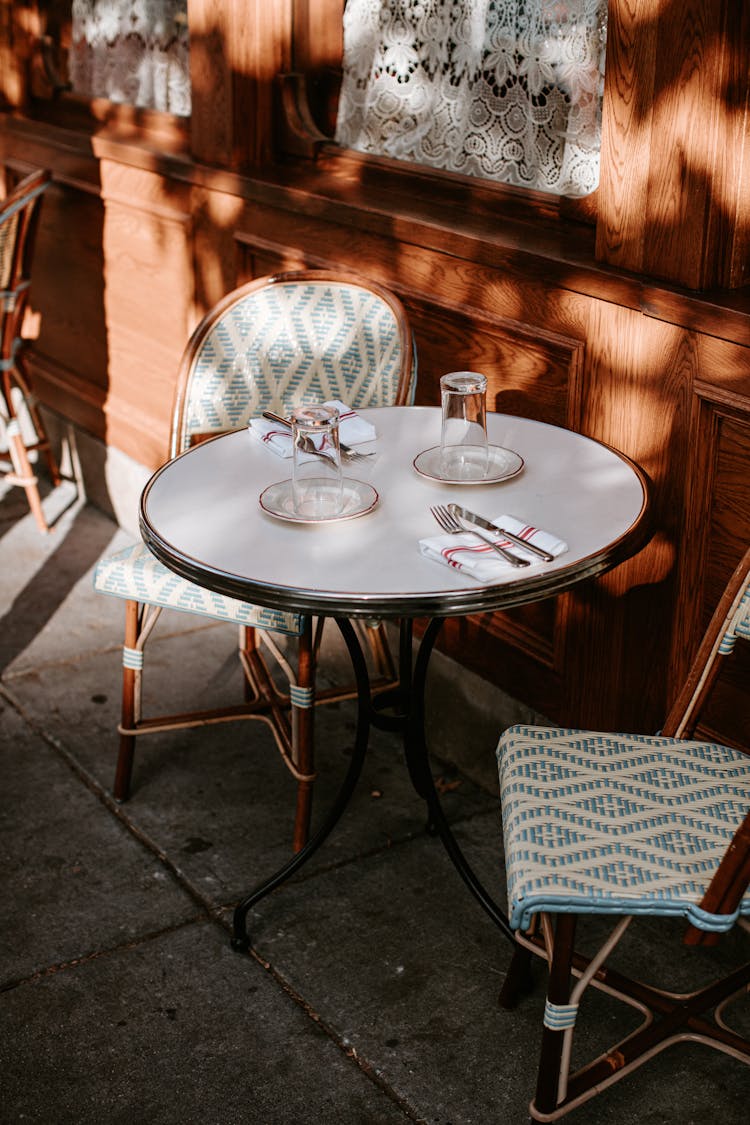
(49, 585)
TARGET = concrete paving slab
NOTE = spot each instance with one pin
(175, 1031)
(219, 799)
(58, 504)
(50, 611)
(119, 1006)
(77, 882)
(400, 962)
(38, 579)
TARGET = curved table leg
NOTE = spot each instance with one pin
(240, 937)
(410, 720)
(415, 749)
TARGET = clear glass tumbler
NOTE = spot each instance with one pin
(317, 487)
(463, 441)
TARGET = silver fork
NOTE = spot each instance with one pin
(449, 523)
(347, 453)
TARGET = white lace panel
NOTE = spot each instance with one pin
(509, 90)
(132, 51)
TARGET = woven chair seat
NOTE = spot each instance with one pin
(631, 826)
(273, 343)
(617, 823)
(135, 574)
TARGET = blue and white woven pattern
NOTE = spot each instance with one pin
(138, 575)
(617, 823)
(289, 343)
(738, 627)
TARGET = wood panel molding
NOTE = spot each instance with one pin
(718, 527)
(120, 422)
(675, 180)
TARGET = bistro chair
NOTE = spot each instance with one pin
(19, 413)
(272, 344)
(622, 825)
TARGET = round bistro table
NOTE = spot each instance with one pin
(201, 516)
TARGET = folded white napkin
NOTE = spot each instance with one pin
(353, 430)
(467, 553)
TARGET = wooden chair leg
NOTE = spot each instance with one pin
(558, 995)
(23, 474)
(43, 442)
(131, 672)
(303, 700)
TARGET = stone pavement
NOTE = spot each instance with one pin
(369, 996)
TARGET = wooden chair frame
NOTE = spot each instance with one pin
(668, 1017)
(19, 219)
(292, 725)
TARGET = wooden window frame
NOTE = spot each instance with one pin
(673, 202)
(33, 84)
(308, 97)
(674, 193)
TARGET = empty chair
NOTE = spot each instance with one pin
(19, 217)
(272, 344)
(620, 826)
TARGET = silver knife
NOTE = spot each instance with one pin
(480, 521)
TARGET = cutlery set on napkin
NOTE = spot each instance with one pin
(473, 549)
(485, 549)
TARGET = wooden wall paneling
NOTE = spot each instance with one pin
(727, 220)
(719, 532)
(675, 171)
(68, 289)
(236, 50)
(211, 131)
(684, 106)
(525, 671)
(717, 520)
(728, 535)
(635, 398)
(317, 53)
(626, 132)
(530, 370)
(318, 34)
(257, 256)
(19, 27)
(216, 252)
(148, 300)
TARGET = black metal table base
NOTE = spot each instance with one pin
(409, 718)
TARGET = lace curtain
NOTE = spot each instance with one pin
(509, 90)
(132, 51)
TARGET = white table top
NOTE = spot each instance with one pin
(200, 515)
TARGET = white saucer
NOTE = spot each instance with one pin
(359, 499)
(502, 464)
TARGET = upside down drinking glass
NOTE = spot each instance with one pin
(463, 441)
(317, 487)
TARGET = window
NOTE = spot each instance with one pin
(131, 51)
(506, 90)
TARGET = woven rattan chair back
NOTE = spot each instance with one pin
(272, 343)
(278, 342)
